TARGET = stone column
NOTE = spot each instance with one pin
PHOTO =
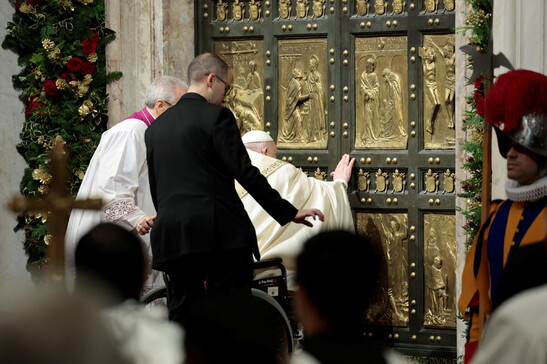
(154, 38)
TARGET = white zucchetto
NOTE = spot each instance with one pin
(256, 136)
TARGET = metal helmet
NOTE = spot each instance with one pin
(516, 106)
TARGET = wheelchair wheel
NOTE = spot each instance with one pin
(277, 318)
(158, 293)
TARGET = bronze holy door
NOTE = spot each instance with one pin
(374, 79)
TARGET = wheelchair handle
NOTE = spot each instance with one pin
(268, 263)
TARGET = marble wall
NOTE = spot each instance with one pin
(154, 38)
(12, 257)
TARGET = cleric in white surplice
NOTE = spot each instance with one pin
(303, 192)
(118, 174)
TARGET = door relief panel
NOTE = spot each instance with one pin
(439, 270)
(246, 99)
(389, 231)
(302, 89)
(381, 93)
(438, 69)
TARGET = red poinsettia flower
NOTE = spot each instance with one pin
(477, 95)
(50, 88)
(65, 76)
(95, 37)
(30, 107)
(88, 68)
(89, 46)
(74, 64)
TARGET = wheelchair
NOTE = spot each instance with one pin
(270, 293)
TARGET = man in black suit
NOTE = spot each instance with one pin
(202, 232)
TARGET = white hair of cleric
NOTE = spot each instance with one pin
(163, 88)
(256, 136)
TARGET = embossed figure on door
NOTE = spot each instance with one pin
(222, 10)
(302, 87)
(389, 230)
(254, 9)
(438, 69)
(381, 97)
(439, 268)
(246, 99)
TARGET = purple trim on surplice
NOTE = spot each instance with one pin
(143, 115)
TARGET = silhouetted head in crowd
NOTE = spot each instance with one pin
(336, 275)
(113, 257)
(228, 329)
(48, 326)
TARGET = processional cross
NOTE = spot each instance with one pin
(58, 204)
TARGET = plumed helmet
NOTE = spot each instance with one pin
(516, 106)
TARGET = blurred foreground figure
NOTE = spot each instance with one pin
(111, 269)
(517, 332)
(336, 275)
(51, 327)
(230, 329)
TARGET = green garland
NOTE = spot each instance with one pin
(61, 48)
(478, 27)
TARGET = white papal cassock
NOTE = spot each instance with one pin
(303, 192)
(118, 174)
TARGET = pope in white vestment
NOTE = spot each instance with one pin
(118, 174)
(303, 192)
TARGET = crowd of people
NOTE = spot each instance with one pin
(167, 175)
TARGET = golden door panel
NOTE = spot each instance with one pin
(317, 173)
(380, 7)
(390, 232)
(439, 270)
(302, 105)
(438, 181)
(381, 111)
(238, 10)
(246, 99)
(301, 9)
(393, 181)
(432, 6)
(438, 66)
